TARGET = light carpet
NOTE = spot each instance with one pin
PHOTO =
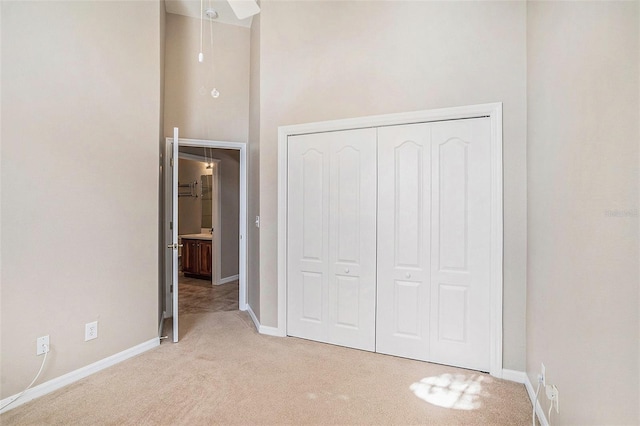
(223, 372)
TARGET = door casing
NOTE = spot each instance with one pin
(491, 110)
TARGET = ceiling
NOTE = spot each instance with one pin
(192, 8)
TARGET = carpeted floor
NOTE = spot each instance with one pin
(224, 372)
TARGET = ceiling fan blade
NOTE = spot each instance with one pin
(244, 8)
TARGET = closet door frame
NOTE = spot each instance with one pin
(491, 110)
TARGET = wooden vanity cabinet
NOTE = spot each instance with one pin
(196, 258)
(205, 257)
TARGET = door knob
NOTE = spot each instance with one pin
(174, 246)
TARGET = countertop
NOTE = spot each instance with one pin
(206, 236)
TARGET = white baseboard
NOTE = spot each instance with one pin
(542, 418)
(263, 329)
(271, 331)
(514, 375)
(228, 279)
(74, 376)
(253, 318)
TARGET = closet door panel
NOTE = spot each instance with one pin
(307, 237)
(404, 253)
(352, 239)
(460, 292)
(331, 237)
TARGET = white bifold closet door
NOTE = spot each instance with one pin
(331, 237)
(389, 240)
(433, 293)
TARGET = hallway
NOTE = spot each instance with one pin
(199, 296)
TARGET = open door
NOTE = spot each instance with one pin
(174, 231)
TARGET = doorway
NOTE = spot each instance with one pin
(234, 248)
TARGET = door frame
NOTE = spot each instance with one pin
(242, 219)
(490, 110)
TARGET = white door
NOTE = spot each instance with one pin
(461, 243)
(174, 231)
(332, 237)
(434, 242)
(404, 250)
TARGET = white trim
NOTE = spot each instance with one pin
(270, 331)
(66, 379)
(542, 418)
(514, 375)
(175, 161)
(497, 242)
(492, 110)
(242, 259)
(263, 329)
(228, 279)
(253, 317)
(283, 136)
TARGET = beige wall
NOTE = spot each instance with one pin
(582, 291)
(253, 205)
(230, 210)
(188, 83)
(189, 105)
(331, 60)
(80, 107)
(0, 196)
(161, 149)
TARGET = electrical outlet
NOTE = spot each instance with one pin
(543, 375)
(42, 345)
(552, 395)
(90, 331)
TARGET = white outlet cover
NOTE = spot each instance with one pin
(91, 331)
(40, 343)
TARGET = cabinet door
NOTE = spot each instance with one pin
(189, 256)
(331, 237)
(205, 257)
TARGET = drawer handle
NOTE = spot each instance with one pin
(346, 270)
(408, 275)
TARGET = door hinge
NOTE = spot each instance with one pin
(171, 162)
(171, 225)
(171, 288)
